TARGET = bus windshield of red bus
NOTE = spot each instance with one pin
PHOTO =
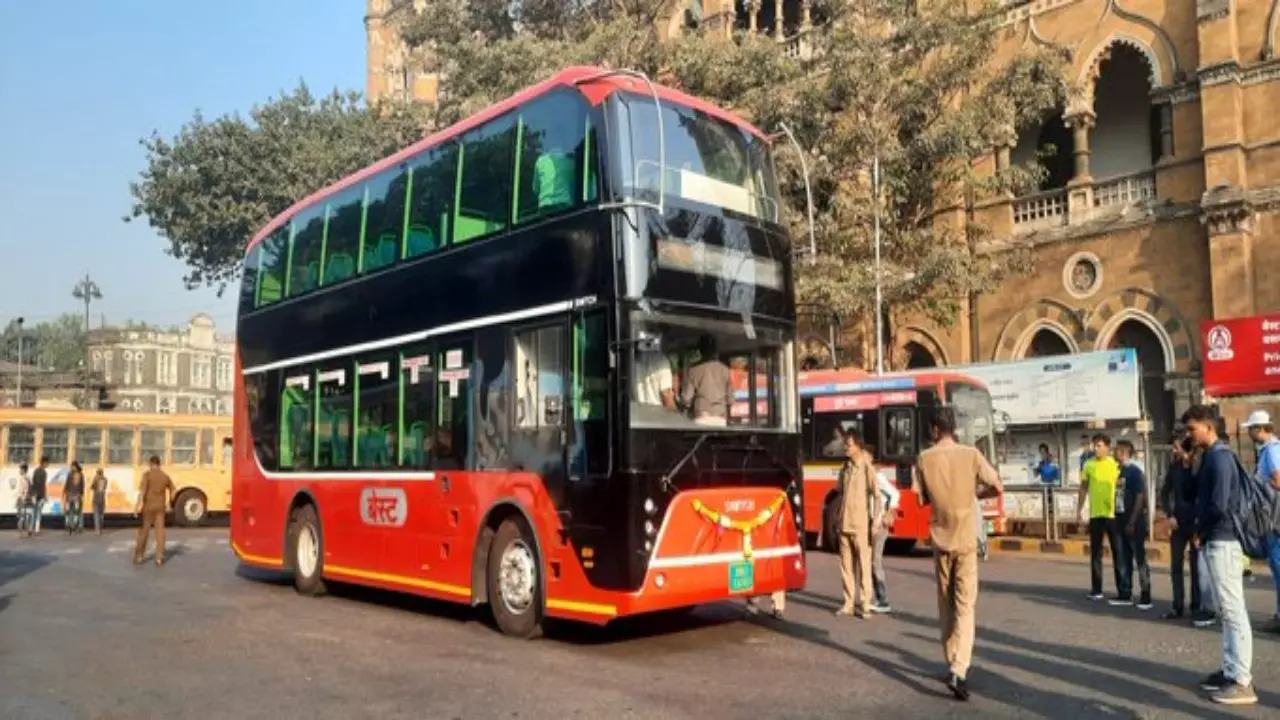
(694, 372)
(974, 416)
(708, 160)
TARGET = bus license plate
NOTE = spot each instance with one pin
(742, 576)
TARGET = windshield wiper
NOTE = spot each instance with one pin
(666, 477)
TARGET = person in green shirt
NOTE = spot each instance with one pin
(1100, 481)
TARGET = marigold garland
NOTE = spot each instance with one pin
(746, 527)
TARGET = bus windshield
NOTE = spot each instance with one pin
(691, 372)
(708, 160)
(973, 410)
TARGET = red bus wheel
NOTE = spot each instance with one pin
(514, 578)
(306, 551)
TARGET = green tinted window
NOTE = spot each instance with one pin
(552, 156)
(377, 411)
(417, 400)
(342, 235)
(296, 422)
(484, 180)
(431, 200)
(306, 253)
(273, 253)
(384, 219)
(334, 422)
(249, 280)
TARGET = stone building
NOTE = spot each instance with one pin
(151, 370)
(394, 70)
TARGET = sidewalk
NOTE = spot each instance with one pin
(1157, 551)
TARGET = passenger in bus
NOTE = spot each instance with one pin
(73, 499)
(859, 503)
(553, 180)
(99, 487)
(653, 384)
(708, 386)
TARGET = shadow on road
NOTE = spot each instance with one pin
(18, 563)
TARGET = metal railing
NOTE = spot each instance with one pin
(798, 47)
(1125, 190)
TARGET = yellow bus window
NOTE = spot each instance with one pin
(152, 445)
(22, 444)
(206, 447)
(183, 448)
(89, 445)
(120, 447)
(53, 444)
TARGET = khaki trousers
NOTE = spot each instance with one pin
(957, 603)
(855, 564)
(150, 518)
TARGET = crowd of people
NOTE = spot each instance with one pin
(155, 495)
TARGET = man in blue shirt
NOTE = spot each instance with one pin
(1047, 470)
(1134, 522)
(1216, 485)
(1263, 434)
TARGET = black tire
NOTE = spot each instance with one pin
(518, 609)
(304, 527)
(190, 508)
(831, 524)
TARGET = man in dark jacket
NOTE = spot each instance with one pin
(1217, 482)
(39, 490)
(1178, 503)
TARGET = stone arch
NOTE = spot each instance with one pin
(1148, 308)
(925, 339)
(1028, 337)
(1159, 74)
(1273, 24)
(1043, 313)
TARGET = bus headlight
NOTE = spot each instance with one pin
(795, 499)
(660, 580)
(648, 546)
(649, 529)
(649, 506)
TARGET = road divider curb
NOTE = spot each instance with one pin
(1068, 548)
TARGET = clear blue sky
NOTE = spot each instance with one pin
(82, 80)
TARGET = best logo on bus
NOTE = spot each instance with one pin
(384, 506)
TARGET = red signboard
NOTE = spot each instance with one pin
(1241, 355)
(863, 401)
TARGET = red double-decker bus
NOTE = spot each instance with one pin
(465, 371)
(890, 412)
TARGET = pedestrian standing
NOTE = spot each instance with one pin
(1177, 502)
(1217, 484)
(1100, 482)
(1135, 525)
(1263, 434)
(779, 600)
(859, 502)
(951, 477)
(22, 492)
(99, 487)
(883, 526)
(39, 484)
(73, 499)
(153, 499)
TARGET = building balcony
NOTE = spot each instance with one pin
(798, 46)
(1078, 204)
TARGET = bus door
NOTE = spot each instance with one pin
(540, 427)
(899, 447)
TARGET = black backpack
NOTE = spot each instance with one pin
(1252, 511)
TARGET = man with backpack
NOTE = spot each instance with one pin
(1218, 491)
(1263, 434)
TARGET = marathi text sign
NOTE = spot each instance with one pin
(1066, 388)
(1241, 355)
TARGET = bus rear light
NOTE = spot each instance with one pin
(660, 581)
(799, 564)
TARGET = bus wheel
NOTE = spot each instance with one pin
(306, 551)
(831, 525)
(515, 593)
(190, 508)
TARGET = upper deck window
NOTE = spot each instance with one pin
(306, 252)
(708, 160)
(432, 188)
(341, 246)
(555, 156)
(384, 218)
(484, 180)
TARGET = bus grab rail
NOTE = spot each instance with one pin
(660, 206)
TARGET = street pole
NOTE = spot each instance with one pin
(88, 291)
(875, 189)
(20, 332)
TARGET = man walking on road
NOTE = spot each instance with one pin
(1263, 434)
(1217, 484)
(1178, 502)
(859, 502)
(1134, 523)
(880, 526)
(1100, 481)
(39, 491)
(951, 476)
(153, 500)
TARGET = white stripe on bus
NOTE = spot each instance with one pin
(303, 476)
(420, 335)
(680, 561)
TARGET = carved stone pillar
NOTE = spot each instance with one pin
(1228, 216)
(1080, 188)
(777, 20)
(753, 7)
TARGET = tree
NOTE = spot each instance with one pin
(212, 186)
(56, 344)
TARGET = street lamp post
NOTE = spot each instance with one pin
(86, 290)
(20, 333)
(875, 190)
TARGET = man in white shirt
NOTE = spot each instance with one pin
(881, 526)
(654, 384)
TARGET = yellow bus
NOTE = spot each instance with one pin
(195, 451)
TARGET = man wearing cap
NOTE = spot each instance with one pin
(1263, 434)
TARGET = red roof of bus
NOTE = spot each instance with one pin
(594, 90)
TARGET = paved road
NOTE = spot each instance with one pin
(84, 634)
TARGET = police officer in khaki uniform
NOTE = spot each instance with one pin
(951, 475)
(858, 496)
(153, 501)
